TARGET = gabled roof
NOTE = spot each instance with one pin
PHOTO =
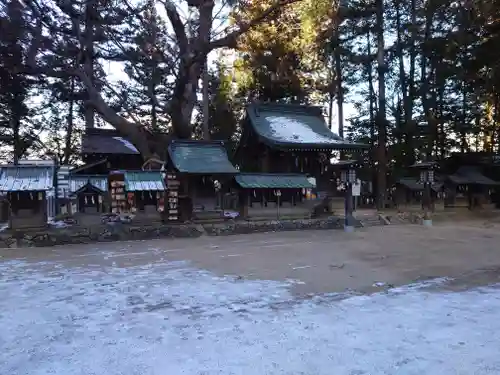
(470, 175)
(81, 168)
(106, 141)
(295, 126)
(77, 182)
(200, 157)
(86, 187)
(26, 178)
(413, 184)
(273, 181)
(144, 181)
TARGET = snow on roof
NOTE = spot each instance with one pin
(126, 143)
(291, 130)
(36, 162)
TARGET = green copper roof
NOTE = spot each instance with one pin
(295, 126)
(144, 181)
(273, 181)
(200, 157)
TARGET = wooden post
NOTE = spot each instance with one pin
(244, 197)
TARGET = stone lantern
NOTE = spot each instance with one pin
(348, 178)
(427, 178)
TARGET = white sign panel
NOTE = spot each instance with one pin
(356, 189)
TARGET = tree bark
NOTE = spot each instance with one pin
(70, 119)
(381, 114)
(339, 89)
(89, 59)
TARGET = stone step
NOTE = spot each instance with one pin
(371, 221)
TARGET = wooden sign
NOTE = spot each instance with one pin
(172, 199)
(116, 181)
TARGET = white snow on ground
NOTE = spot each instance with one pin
(168, 318)
(292, 130)
(127, 143)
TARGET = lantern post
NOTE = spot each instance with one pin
(348, 178)
(427, 178)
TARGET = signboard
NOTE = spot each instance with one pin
(117, 190)
(172, 203)
(356, 188)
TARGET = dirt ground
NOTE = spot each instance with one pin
(320, 261)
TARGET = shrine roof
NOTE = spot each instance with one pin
(200, 157)
(273, 181)
(295, 126)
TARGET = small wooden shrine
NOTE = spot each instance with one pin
(279, 140)
(470, 187)
(409, 191)
(137, 192)
(471, 179)
(288, 138)
(88, 194)
(198, 173)
(26, 188)
(279, 191)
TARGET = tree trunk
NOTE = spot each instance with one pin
(340, 94)
(89, 59)
(371, 93)
(16, 138)
(463, 134)
(424, 77)
(70, 119)
(381, 114)
(206, 102)
(408, 85)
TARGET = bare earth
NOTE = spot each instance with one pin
(322, 261)
(419, 301)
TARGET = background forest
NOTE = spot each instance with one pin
(414, 78)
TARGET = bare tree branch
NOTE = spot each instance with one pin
(177, 24)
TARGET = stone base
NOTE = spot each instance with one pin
(116, 231)
(348, 228)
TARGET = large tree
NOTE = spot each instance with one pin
(191, 41)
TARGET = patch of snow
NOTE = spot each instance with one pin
(58, 223)
(126, 143)
(291, 130)
(169, 318)
(231, 214)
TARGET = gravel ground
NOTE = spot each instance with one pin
(281, 303)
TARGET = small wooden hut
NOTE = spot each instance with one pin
(409, 191)
(468, 186)
(260, 192)
(88, 194)
(202, 174)
(291, 139)
(26, 188)
(145, 192)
